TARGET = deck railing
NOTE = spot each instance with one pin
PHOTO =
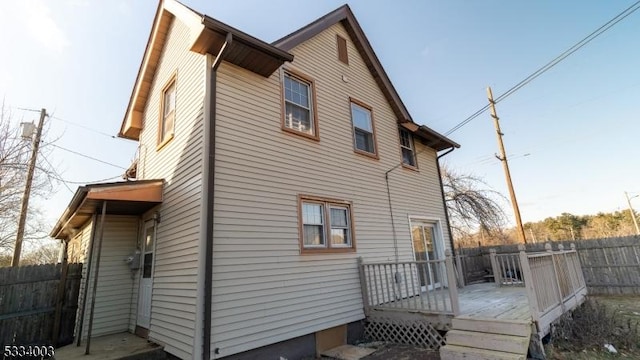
(419, 286)
(507, 270)
(554, 282)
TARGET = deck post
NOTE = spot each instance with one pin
(451, 278)
(461, 275)
(528, 284)
(363, 286)
(494, 267)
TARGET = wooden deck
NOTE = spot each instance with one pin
(482, 301)
(488, 301)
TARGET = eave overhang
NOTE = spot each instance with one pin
(124, 198)
(246, 51)
(430, 137)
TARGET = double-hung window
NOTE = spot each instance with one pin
(168, 113)
(407, 148)
(299, 114)
(363, 130)
(326, 225)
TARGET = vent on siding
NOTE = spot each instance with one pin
(342, 50)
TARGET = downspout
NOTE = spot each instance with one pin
(205, 293)
(444, 202)
(393, 222)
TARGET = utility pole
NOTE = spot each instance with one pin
(27, 190)
(633, 213)
(505, 166)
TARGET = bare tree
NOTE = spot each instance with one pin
(473, 206)
(14, 156)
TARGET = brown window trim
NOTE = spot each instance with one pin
(162, 142)
(314, 109)
(373, 127)
(343, 53)
(415, 152)
(325, 201)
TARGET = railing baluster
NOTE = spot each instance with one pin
(425, 278)
(413, 287)
(391, 293)
(379, 280)
(406, 284)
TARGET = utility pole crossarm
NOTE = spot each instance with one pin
(505, 165)
(27, 190)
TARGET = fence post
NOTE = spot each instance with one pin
(528, 284)
(451, 278)
(494, 267)
(363, 286)
(577, 264)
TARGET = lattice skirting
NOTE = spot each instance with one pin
(403, 331)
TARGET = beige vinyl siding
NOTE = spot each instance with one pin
(179, 163)
(115, 284)
(264, 290)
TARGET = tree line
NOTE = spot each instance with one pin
(477, 217)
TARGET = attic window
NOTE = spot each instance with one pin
(343, 56)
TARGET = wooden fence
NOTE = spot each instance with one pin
(609, 266)
(38, 304)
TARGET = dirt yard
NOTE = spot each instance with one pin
(624, 312)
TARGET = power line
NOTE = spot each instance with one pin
(577, 46)
(86, 128)
(87, 156)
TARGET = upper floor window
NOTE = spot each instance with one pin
(168, 112)
(299, 114)
(363, 129)
(408, 151)
(325, 224)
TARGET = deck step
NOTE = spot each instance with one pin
(492, 326)
(457, 352)
(498, 342)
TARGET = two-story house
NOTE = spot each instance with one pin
(264, 170)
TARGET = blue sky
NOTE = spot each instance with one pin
(578, 123)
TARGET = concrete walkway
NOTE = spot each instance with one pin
(111, 347)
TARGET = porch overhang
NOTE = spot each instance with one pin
(125, 198)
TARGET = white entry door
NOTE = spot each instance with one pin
(146, 275)
(427, 245)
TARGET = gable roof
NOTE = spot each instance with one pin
(345, 16)
(207, 35)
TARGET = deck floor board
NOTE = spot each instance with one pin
(484, 300)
